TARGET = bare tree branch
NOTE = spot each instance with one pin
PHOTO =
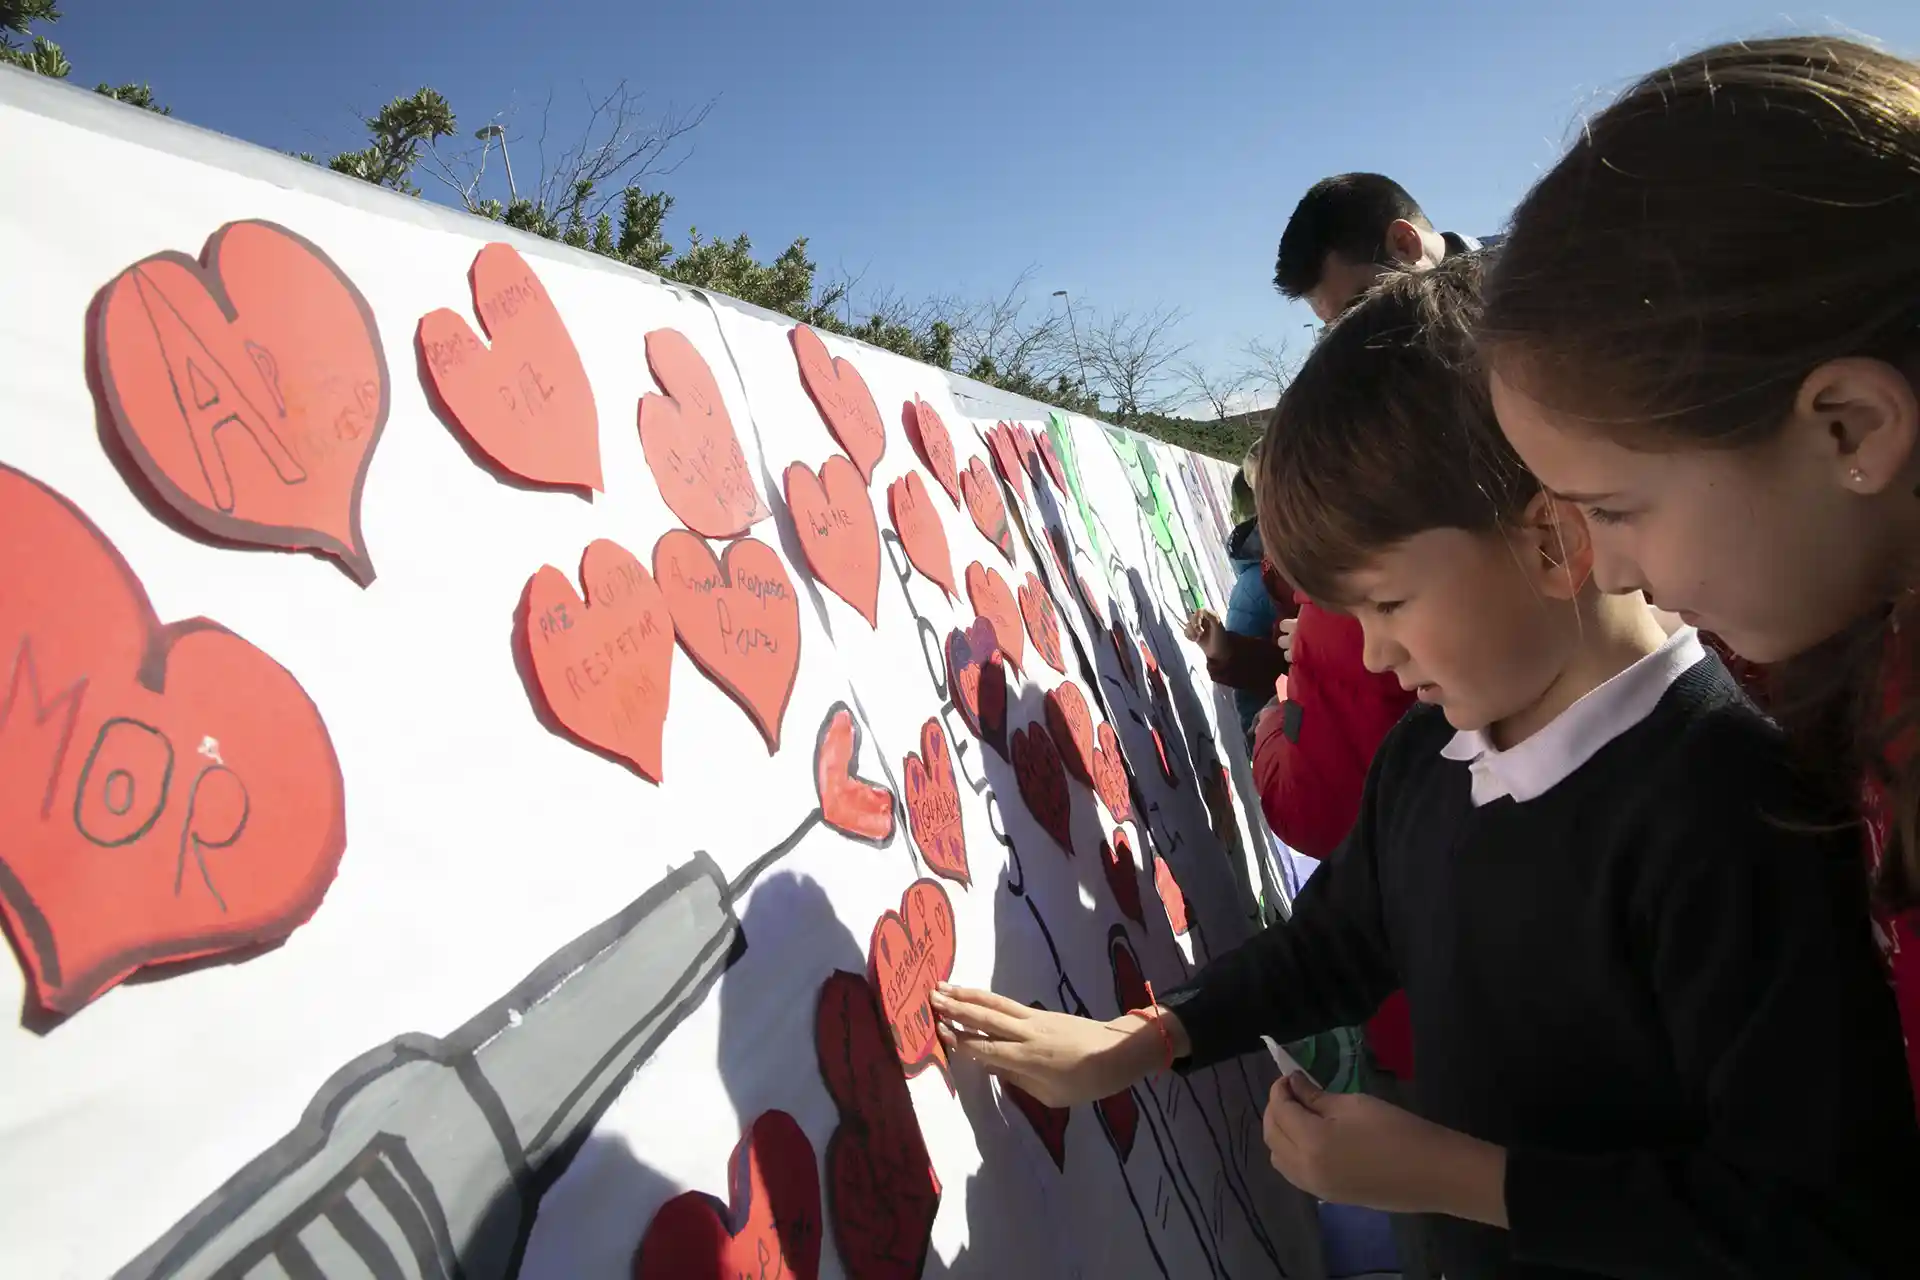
(1269, 366)
(1223, 390)
(1133, 354)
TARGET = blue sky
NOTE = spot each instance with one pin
(1135, 152)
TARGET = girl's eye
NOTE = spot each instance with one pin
(1387, 607)
(1602, 515)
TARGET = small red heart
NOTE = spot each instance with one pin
(930, 439)
(1006, 457)
(690, 445)
(604, 668)
(848, 803)
(738, 618)
(1070, 722)
(1171, 895)
(1129, 984)
(1123, 874)
(993, 600)
(977, 680)
(1110, 774)
(1049, 1123)
(1051, 460)
(882, 1192)
(1120, 1117)
(525, 401)
(838, 532)
(911, 952)
(770, 1227)
(1043, 783)
(984, 504)
(1043, 624)
(250, 391)
(166, 792)
(933, 805)
(920, 530)
(841, 395)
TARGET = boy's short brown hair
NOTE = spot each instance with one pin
(1386, 432)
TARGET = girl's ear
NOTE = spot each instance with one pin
(1556, 547)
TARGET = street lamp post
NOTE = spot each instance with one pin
(1075, 331)
(487, 134)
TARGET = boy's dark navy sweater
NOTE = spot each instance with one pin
(1650, 983)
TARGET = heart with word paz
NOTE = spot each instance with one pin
(909, 954)
(689, 442)
(738, 618)
(770, 1225)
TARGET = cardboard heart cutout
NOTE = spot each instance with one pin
(524, 401)
(1120, 1117)
(1051, 461)
(1043, 623)
(934, 443)
(690, 445)
(882, 1192)
(977, 678)
(838, 533)
(769, 1227)
(1123, 875)
(1171, 896)
(1070, 722)
(910, 953)
(1110, 773)
(841, 395)
(249, 388)
(1043, 783)
(1029, 455)
(848, 803)
(167, 791)
(1006, 458)
(933, 806)
(985, 505)
(738, 618)
(920, 530)
(604, 667)
(993, 600)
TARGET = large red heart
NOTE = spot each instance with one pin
(848, 803)
(1006, 457)
(690, 445)
(977, 679)
(1123, 874)
(525, 401)
(838, 532)
(1071, 723)
(1051, 460)
(1120, 1116)
(166, 791)
(250, 391)
(1110, 773)
(738, 619)
(931, 440)
(841, 395)
(911, 952)
(1171, 895)
(604, 667)
(993, 600)
(882, 1192)
(933, 805)
(920, 530)
(1043, 783)
(1043, 623)
(769, 1228)
(985, 505)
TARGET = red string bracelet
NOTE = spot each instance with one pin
(1152, 1015)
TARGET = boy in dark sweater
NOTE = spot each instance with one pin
(1652, 1038)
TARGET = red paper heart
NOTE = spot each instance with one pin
(1029, 455)
(1123, 874)
(1043, 783)
(920, 530)
(911, 951)
(977, 679)
(770, 1227)
(525, 401)
(993, 600)
(838, 532)
(250, 391)
(1120, 1116)
(738, 618)
(1129, 984)
(984, 504)
(1043, 624)
(1171, 895)
(1049, 1123)
(1006, 457)
(882, 1193)
(848, 803)
(690, 445)
(841, 395)
(1071, 723)
(605, 667)
(166, 792)
(1123, 652)
(1051, 461)
(933, 805)
(930, 439)
(1110, 773)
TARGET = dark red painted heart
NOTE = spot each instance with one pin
(933, 805)
(1071, 723)
(848, 803)
(985, 505)
(1129, 983)
(1110, 773)
(1043, 623)
(1120, 1117)
(770, 1226)
(1049, 1123)
(1123, 874)
(1043, 783)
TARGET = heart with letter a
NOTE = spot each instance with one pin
(910, 953)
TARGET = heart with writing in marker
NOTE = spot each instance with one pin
(1123, 874)
(977, 677)
(1120, 1117)
(1051, 461)
(1172, 897)
(841, 395)
(933, 442)
(1043, 623)
(838, 532)
(910, 953)
(1006, 457)
(848, 802)
(1024, 449)
(920, 530)
(690, 445)
(1043, 783)
(1110, 773)
(604, 666)
(882, 1192)
(738, 618)
(993, 600)
(1070, 722)
(1049, 1123)
(770, 1226)
(525, 400)
(249, 388)
(933, 805)
(985, 505)
(167, 791)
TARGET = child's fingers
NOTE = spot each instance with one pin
(979, 1016)
(982, 1000)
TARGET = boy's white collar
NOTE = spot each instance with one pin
(1547, 758)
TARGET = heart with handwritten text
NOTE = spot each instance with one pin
(1110, 773)
(1043, 783)
(910, 953)
(1051, 460)
(993, 600)
(933, 442)
(769, 1227)
(920, 529)
(1043, 623)
(977, 677)
(688, 439)
(933, 805)
(1123, 874)
(1070, 722)
(841, 395)
(738, 618)
(838, 533)
(1006, 457)
(985, 505)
